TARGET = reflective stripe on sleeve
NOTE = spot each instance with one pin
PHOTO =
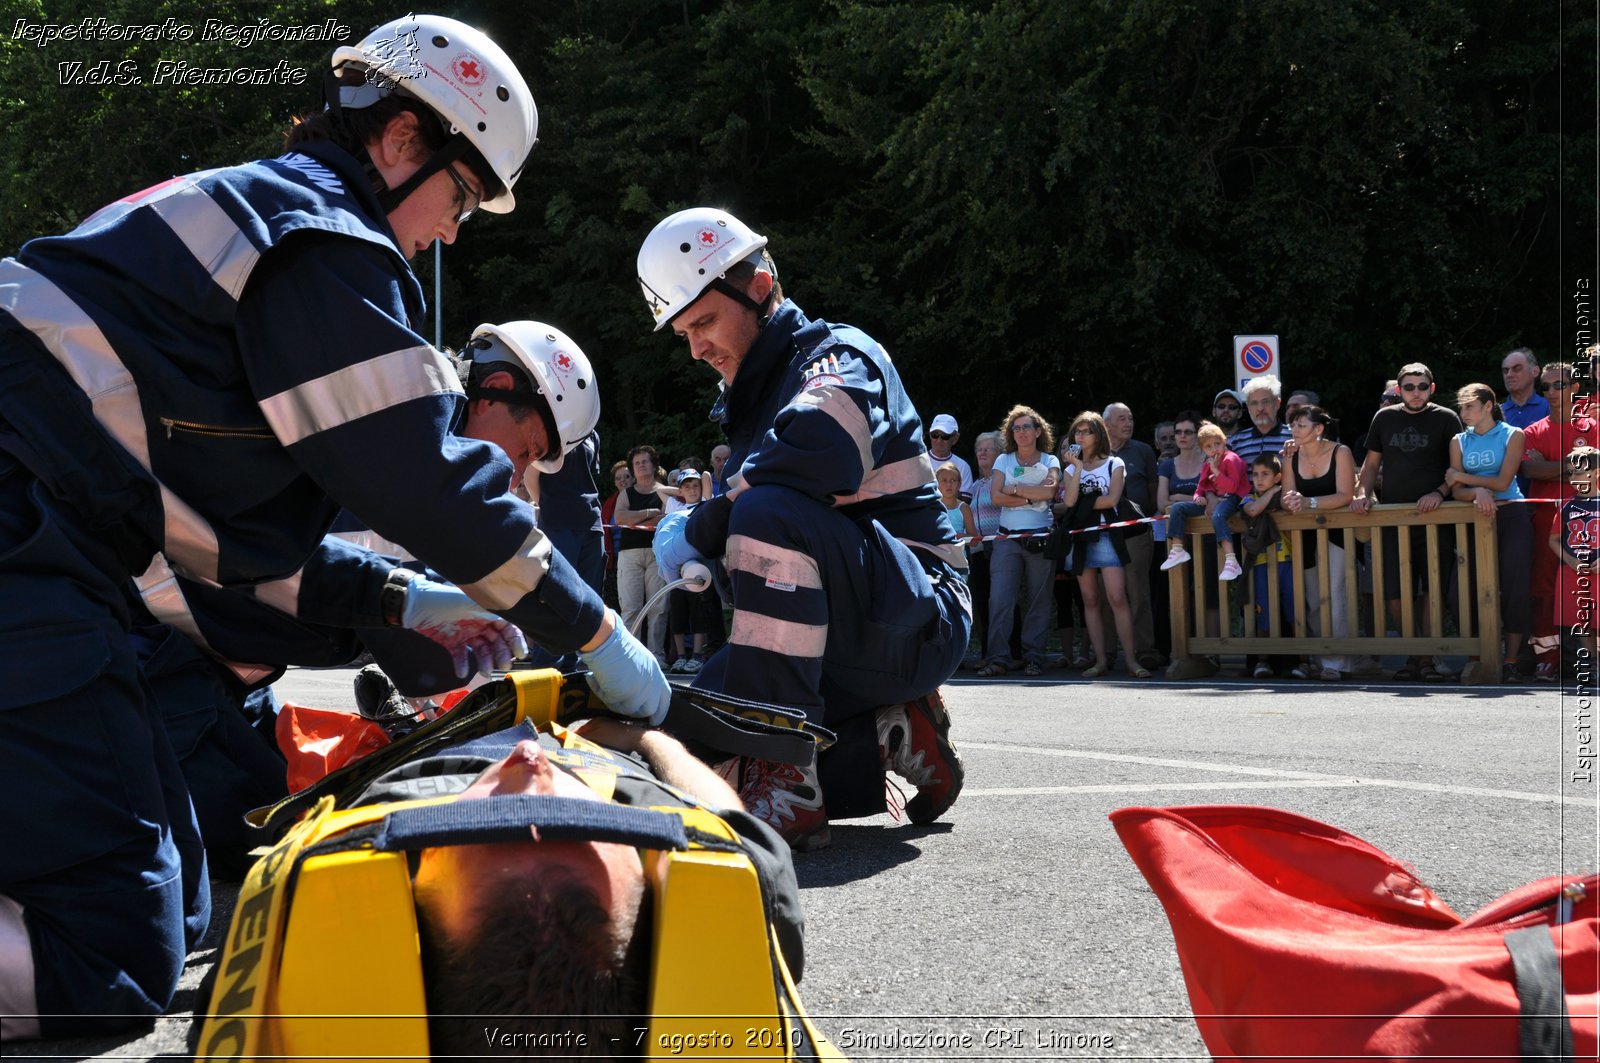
(163, 596)
(75, 341)
(951, 554)
(358, 390)
(219, 245)
(838, 404)
(897, 477)
(517, 577)
(282, 594)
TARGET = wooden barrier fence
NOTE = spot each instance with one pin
(1477, 604)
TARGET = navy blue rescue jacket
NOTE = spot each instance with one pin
(820, 408)
(212, 367)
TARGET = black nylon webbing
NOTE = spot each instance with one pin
(1544, 1030)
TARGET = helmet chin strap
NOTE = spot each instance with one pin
(390, 198)
(763, 308)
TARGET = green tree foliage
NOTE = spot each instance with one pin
(1064, 201)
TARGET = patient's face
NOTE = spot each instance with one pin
(449, 878)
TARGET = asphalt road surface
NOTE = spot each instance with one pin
(1018, 927)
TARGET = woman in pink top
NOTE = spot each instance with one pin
(1224, 481)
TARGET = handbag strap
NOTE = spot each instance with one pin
(1544, 1029)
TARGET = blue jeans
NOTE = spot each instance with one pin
(1227, 506)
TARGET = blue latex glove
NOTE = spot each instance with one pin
(447, 616)
(672, 546)
(627, 677)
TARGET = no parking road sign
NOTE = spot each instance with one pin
(1255, 356)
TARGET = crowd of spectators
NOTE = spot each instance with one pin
(683, 627)
(1504, 450)
(1258, 452)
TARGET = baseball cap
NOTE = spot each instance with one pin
(1232, 394)
(944, 423)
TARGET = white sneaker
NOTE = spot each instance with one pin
(1230, 571)
(1178, 557)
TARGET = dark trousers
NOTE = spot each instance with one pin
(102, 849)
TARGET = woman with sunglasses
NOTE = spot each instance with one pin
(1484, 461)
(1023, 485)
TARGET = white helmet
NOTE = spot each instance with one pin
(559, 370)
(689, 252)
(463, 76)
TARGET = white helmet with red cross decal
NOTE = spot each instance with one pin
(463, 76)
(560, 373)
(689, 252)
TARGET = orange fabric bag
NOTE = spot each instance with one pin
(317, 741)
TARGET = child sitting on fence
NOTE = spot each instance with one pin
(1266, 548)
(1224, 482)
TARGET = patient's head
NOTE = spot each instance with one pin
(547, 941)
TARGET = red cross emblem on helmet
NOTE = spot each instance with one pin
(563, 361)
(467, 67)
(708, 238)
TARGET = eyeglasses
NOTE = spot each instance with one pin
(1415, 387)
(945, 435)
(464, 195)
(1228, 407)
(1558, 385)
(1183, 431)
(1083, 431)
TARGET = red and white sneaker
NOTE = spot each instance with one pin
(784, 797)
(914, 743)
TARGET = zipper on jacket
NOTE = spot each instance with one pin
(218, 431)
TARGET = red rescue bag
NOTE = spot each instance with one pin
(316, 741)
(1298, 939)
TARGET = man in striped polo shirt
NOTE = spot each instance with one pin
(1262, 397)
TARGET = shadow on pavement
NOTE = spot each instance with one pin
(860, 851)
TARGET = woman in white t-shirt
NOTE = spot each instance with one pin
(1097, 470)
(1023, 484)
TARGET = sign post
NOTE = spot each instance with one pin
(1255, 356)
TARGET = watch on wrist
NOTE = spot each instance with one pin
(1312, 501)
(392, 599)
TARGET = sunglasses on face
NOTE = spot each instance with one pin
(1227, 407)
(1558, 385)
(464, 196)
(1024, 428)
(1415, 387)
(943, 435)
